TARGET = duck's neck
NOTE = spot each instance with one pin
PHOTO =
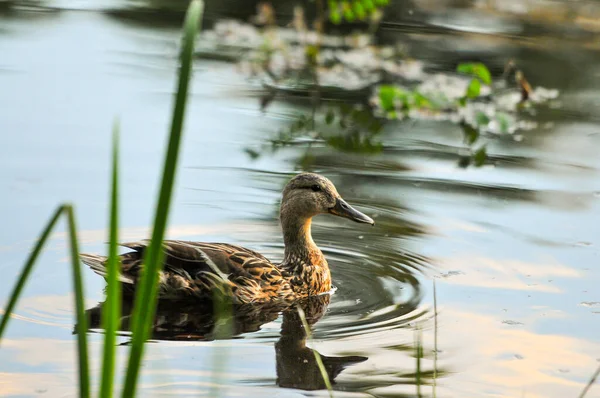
(300, 249)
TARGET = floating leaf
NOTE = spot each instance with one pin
(474, 88)
(480, 156)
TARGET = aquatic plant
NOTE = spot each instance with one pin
(146, 295)
(470, 99)
(378, 81)
(350, 11)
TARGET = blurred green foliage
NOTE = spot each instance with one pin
(353, 10)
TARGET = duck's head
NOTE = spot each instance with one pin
(309, 194)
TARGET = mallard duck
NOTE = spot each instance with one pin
(190, 268)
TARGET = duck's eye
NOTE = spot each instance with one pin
(316, 188)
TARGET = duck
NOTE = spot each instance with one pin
(193, 270)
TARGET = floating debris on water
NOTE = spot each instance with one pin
(451, 273)
(590, 304)
(512, 323)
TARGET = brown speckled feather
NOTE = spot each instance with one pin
(189, 271)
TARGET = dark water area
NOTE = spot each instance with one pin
(511, 247)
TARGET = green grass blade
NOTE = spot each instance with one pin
(223, 329)
(146, 296)
(84, 373)
(14, 296)
(320, 364)
(112, 308)
(418, 355)
(590, 383)
(435, 340)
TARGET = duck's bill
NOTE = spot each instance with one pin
(343, 209)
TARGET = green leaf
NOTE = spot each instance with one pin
(480, 156)
(503, 122)
(464, 161)
(382, 2)
(476, 69)
(147, 291)
(386, 97)
(482, 119)
(349, 15)
(420, 101)
(31, 259)
(359, 10)
(473, 89)
(84, 374)
(81, 328)
(112, 308)
(335, 17)
(368, 5)
(483, 73)
(471, 134)
(318, 359)
(329, 117)
(462, 101)
(403, 96)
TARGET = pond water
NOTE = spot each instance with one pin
(510, 248)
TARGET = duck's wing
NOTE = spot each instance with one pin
(196, 268)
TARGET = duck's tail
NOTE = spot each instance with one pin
(98, 264)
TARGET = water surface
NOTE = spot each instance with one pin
(512, 247)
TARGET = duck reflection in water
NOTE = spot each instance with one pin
(295, 362)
